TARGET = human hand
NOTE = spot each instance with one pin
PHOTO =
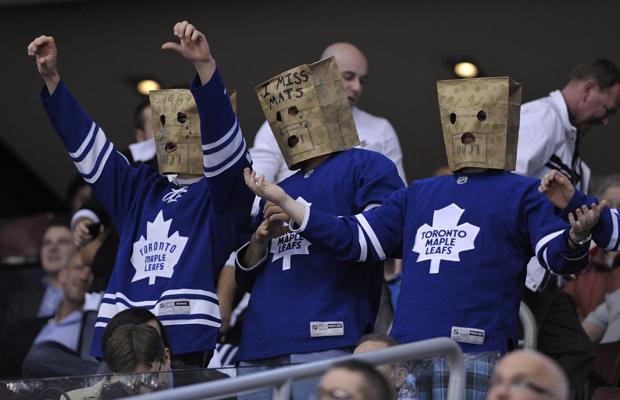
(272, 225)
(81, 232)
(557, 188)
(263, 188)
(584, 219)
(45, 53)
(193, 46)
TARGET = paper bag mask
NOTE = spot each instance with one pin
(480, 121)
(177, 131)
(308, 112)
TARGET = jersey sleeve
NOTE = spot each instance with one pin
(548, 235)
(105, 169)
(373, 235)
(224, 150)
(606, 233)
(376, 180)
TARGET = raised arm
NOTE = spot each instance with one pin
(372, 235)
(596, 218)
(224, 149)
(106, 170)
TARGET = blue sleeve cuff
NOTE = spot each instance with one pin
(578, 200)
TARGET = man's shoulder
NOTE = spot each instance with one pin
(542, 110)
(365, 119)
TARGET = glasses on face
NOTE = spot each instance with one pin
(522, 385)
(333, 394)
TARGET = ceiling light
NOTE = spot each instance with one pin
(465, 69)
(146, 85)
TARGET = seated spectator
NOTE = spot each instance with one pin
(602, 276)
(130, 316)
(355, 380)
(395, 373)
(61, 348)
(56, 250)
(131, 349)
(603, 324)
(527, 374)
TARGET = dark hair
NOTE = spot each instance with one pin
(376, 386)
(58, 220)
(138, 115)
(379, 337)
(131, 345)
(603, 71)
(132, 316)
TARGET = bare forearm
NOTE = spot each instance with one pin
(205, 70)
(253, 254)
(294, 209)
(51, 82)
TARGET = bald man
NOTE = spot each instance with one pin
(527, 375)
(375, 133)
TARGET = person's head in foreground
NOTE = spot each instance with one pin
(396, 373)
(354, 380)
(527, 375)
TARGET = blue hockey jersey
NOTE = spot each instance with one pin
(304, 299)
(465, 240)
(173, 239)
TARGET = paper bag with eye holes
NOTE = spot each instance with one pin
(480, 122)
(177, 131)
(308, 111)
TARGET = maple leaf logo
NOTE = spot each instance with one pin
(290, 244)
(445, 239)
(156, 255)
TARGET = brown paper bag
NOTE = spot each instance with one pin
(308, 111)
(480, 121)
(177, 131)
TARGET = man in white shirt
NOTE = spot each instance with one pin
(549, 134)
(375, 133)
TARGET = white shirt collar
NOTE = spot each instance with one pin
(560, 103)
(143, 151)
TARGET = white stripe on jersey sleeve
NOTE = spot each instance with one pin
(212, 160)
(95, 177)
(363, 245)
(80, 150)
(374, 240)
(88, 164)
(543, 242)
(232, 162)
(209, 146)
(613, 242)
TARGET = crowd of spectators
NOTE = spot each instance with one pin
(80, 280)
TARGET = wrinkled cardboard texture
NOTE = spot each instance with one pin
(496, 134)
(308, 111)
(177, 134)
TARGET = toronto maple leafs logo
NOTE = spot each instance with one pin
(289, 244)
(174, 194)
(156, 255)
(445, 239)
